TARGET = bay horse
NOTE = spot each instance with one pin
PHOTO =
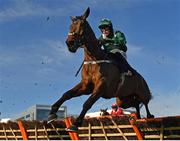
(100, 77)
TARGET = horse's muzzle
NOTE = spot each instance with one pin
(71, 46)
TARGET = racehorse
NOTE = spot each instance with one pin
(100, 77)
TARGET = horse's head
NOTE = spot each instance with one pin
(104, 112)
(76, 36)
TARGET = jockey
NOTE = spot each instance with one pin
(114, 42)
(116, 111)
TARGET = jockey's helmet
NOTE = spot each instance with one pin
(105, 22)
(114, 105)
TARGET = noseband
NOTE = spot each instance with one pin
(77, 41)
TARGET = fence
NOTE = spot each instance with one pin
(98, 128)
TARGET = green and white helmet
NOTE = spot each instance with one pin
(105, 22)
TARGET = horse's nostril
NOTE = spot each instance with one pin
(69, 43)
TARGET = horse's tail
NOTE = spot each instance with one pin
(144, 88)
(148, 93)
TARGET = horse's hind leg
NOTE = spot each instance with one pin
(78, 90)
(149, 115)
(138, 110)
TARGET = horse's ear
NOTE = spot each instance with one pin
(86, 13)
(106, 109)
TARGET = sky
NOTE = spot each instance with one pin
(37, 68)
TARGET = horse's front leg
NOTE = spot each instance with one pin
(78, 90)
(86, 106)
(97, 93)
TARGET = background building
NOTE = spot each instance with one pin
(41, 112)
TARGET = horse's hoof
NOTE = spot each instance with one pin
(72, 128)
(51, 118)
(150, 116)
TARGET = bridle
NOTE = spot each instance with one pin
(79, 40)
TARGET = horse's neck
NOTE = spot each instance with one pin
(92, 52)
(92, 49)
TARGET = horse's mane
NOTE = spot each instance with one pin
(91, 37)
(90, 30)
